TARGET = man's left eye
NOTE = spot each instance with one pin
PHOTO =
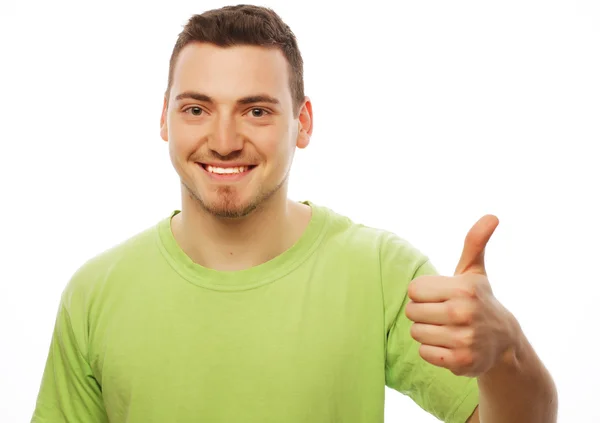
(257, 112)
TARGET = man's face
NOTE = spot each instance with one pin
(230, 126)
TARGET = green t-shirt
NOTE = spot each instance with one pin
(143, 334)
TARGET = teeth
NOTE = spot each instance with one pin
(226, 170)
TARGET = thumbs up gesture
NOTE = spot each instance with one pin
(460, 324)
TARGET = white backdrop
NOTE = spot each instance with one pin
(428, 115)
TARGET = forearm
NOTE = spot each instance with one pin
(519, 389)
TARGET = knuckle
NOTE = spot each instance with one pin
(460, 314)
(459, 371)
(467, 290)
(465, 339)
(466, 317)
(466, 358)
(451, 310)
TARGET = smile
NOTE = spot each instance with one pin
(230, 173)
(226, 170)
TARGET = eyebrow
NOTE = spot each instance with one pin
(259, 98)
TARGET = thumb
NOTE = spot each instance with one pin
(472, 259)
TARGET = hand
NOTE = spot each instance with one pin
(460, 324)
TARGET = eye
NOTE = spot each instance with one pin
(258, 112)
(196, 111)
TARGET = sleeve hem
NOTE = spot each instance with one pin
(467, 405)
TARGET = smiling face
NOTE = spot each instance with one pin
(230, 126)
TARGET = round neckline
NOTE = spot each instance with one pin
(253, 277)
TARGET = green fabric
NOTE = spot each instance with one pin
(145, 335)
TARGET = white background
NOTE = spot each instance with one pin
(428, 115)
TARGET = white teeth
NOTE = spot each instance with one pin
(226, 170)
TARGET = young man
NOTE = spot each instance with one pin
(246, 306)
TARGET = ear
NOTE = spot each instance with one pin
(164, 130)
(305, 124)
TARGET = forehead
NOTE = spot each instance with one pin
(228, 73)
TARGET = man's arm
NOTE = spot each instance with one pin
(518, 389)
(69, 392)
(474, 417)
(462, 327)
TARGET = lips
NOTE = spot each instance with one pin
(227, 172)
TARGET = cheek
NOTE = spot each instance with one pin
(183, 135)
(180, 153)
(183, 142)
(270, 142)
(279, 154)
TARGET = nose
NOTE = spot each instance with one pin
(224, 138)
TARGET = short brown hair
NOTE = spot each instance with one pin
(244, 25)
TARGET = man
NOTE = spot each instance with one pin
(246, 306)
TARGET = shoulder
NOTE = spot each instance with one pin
(95, 274)
(393, 252)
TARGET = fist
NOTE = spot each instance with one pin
(459, 323)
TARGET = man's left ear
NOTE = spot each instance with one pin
(305, 124)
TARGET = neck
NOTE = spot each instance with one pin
(237, 244)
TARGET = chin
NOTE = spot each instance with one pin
(229, 204)
(229, 210)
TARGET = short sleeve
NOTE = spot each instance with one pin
(69, 393)
(436, 390)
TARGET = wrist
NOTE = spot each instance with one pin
(511, 359)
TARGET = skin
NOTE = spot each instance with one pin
(459, 323)
(463, 327)
(251, 220)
